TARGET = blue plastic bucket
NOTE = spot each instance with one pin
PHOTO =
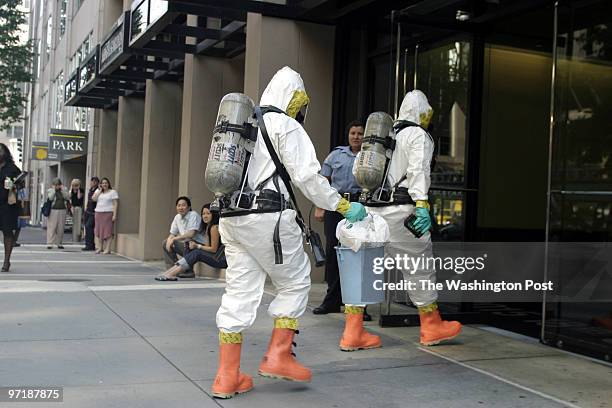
(357, 276)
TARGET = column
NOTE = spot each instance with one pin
(207, 80)
(160, 164)
(128, 170)
(106, 145)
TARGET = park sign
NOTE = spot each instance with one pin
(66, 144)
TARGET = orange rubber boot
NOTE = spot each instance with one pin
(229, 380)
(435, 330)
(279, 361)
(355, 337)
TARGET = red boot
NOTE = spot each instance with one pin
(355, 337)
(435, 330)
(229, 380)
(279, 361)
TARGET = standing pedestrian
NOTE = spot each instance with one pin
(338, 168)
(106, 215)
(77, 198)
(89, 219)
(24, 214)
(60, 205)
(9, 210)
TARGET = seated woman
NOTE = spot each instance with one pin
(210, 252)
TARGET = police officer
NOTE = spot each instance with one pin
(338, 167)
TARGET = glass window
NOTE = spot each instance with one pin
(581, 194)
(87, 72)
(77, 5)
(77, 118)
(584, 99)
(38, 50)
(139, 19)
(158, 8)
(59, 100)
(63, 6)
(18, 132)
(49, 34)
(87, 44)
(443, 75)
(448, 211)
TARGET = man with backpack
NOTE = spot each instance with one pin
(269, 243)
(409, 174)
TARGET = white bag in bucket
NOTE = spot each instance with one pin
(372, 231)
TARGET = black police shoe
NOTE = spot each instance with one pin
(325, 309)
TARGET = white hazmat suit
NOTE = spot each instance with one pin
(412, 158)
(248, 239)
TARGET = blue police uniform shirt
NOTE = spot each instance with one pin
(339, 167)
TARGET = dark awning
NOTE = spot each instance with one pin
(162, 28)
(113, 70)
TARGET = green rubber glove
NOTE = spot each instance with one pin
(423, 221)
(356, 212)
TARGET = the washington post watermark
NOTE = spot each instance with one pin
(498, 271)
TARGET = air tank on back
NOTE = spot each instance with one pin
(228, 151)
(370, 166)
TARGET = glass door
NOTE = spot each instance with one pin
(440, 66)
(579, 220)
(441, 69)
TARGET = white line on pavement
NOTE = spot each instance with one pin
(47, 287)
(80, 275)
(45, 245)
(51, 252)
(158, 286)
(71, 261)
(502, 379)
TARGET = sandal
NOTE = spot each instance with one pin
(164, 278)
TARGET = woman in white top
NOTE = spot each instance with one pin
(106, 215)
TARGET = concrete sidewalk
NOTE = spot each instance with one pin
(103, 329)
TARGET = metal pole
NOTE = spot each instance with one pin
(551, 133)
(405, 69)
(397, 67)
(416, 66)
(390, 84)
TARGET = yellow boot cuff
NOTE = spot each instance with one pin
(343, 206)
(230, 338)
(286, 323)
(429, 308)
(353, 309)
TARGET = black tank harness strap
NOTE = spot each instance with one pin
(278, 248)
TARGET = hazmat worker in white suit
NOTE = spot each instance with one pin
(409, 176)
(248, 243)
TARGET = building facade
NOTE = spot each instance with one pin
(519, 89)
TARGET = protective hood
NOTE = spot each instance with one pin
(285, 91)
(415, 108)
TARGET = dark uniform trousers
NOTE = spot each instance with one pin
(333, 298)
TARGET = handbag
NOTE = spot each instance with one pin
(219, 256)
(12, 197)
(46, 208)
